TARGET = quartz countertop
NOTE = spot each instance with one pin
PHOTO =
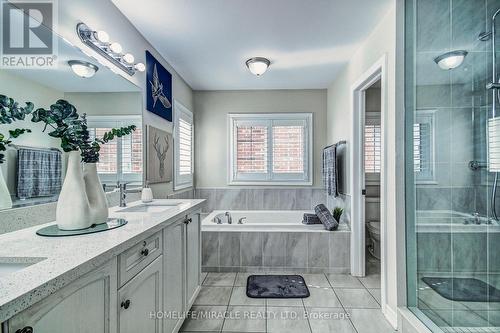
(57, 261)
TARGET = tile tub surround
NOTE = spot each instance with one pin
(25, 217)
(292, 198)
(326, 310)
(306, 252)
(68, 258)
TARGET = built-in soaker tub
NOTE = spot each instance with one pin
(272, 241)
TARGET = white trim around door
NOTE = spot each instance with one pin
(378, 71)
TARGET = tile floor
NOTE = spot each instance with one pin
(338, 303)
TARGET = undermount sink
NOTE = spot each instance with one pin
(149, 208)
(7, 268)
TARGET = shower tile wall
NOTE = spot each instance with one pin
(462, 106)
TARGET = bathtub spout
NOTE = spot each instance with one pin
(229, 218)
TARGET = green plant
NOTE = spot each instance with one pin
(4, 141)
(10, 111)
(337, 213)
(65, 122)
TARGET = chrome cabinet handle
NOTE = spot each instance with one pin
(125, 304)
(27, 329)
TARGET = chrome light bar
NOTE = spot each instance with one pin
(110, 51)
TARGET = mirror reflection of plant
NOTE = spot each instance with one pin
(10, 111)
(66, 124)
(91, 147)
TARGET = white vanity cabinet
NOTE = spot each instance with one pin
(87, 305)
(145, 289)
(182, 268)
(193, 257)
(141, 299)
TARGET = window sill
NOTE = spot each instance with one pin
(182, 186)
(266, 183)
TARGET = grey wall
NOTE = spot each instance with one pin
(211, 132)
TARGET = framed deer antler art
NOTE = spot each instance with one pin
(159, 155)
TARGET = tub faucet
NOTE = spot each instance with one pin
(477, 220)
(229, 218)
(240, 221)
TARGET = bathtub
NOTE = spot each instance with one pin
(447, 221)
(272, 241)
(263, 221)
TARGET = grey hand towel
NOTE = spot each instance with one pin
(311, 219)
(326, 217)
(38, 173)
(330, 170)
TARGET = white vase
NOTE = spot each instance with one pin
(5, 199)
(95, 193)
(73, 209)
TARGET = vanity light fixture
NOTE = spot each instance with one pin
(100, 42)
(82, 68)
(451, 60)
(258, 65)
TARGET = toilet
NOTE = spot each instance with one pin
(374, 233)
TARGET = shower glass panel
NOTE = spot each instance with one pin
(452, 159)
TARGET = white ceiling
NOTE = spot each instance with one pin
(208, 41)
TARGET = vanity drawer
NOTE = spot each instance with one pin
(138, 257)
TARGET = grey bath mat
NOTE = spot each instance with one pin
(276, 286)
(463, 289)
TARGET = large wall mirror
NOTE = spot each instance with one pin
(108, 100)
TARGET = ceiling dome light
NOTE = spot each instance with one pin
(116, 48)
(258, 65)
(450, 60)
(140, 67)
(102, 36)
(82, 68)
(129, 58)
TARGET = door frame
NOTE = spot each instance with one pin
(378, 71)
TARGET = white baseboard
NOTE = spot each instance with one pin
(391, 316)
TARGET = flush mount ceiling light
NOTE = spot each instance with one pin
(82, 68)
(258, 65)
(450, 60)
(100, 42)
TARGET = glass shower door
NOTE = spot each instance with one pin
(453, 236)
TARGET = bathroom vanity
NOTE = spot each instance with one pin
(137, 278)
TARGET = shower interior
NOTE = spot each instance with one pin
(453, 147)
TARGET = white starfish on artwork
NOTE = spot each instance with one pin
(157, 90)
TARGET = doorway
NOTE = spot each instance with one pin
(368, 188)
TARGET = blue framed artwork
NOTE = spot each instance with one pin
(159, 88)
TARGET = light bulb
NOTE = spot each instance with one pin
(140, 67)
(102, 36)
(129, 58)
(116, 48)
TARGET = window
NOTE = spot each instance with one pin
(372, 148)
(423, 146)
(183, 136)
(271, 149)
(121, 158)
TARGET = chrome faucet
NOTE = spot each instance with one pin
(229, 218)
(124, 191)
(240, 221)
(477, 219)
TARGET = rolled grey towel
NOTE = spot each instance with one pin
(326, 217)
(311, 219)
